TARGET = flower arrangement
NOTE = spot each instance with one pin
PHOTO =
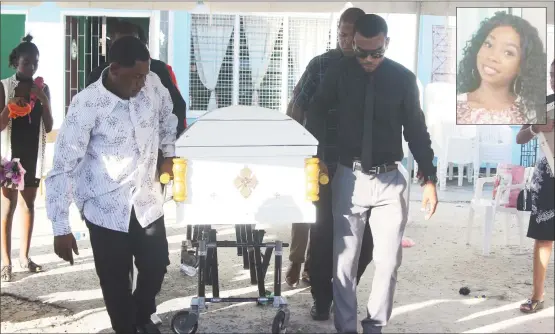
(11, 174)
(22, 108)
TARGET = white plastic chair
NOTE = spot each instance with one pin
(495, 145)
(451, 143)
(497, 204)
(459, 147)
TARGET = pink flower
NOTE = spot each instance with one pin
(12, 174)
(22, 171)
(8, 166)
(16, 178)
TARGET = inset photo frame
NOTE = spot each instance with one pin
(501, 66)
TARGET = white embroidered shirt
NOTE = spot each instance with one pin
(105, 157)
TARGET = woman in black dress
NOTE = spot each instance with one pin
(23, 138)
(542, 219)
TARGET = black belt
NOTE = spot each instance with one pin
(356, 165)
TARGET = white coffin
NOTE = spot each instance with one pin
(262, 147)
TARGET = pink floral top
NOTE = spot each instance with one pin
(469, 115)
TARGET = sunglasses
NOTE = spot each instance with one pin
(376, 54)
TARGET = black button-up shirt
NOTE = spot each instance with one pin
(396, 111)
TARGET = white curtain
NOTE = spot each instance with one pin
(308, 38)
(261, 33)
(210, 41)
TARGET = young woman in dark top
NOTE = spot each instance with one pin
(542, 219)
(23, 138)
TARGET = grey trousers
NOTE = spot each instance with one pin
(356, 195)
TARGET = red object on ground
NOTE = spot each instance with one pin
(407, 243)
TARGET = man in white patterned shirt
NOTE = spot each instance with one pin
(105, 162)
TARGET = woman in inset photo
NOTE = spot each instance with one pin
(501, 77)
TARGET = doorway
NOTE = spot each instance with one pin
(86, 47)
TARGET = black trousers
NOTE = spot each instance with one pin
(321, 251)
(113, 253)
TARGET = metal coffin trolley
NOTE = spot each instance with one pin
(250, 167)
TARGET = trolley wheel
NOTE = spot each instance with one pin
(184, 322)
(191, 260)
(279, 325)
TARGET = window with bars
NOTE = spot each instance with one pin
(260, 58)
(211, 64)
(308, 38)
(84, 51)
(443, 54)
(260, 69)
(528, 153)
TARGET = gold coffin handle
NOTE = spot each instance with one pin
(165, 178)
(179, 177)
(324, 178)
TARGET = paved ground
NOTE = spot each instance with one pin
(68, 299)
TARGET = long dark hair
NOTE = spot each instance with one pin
(529, 86)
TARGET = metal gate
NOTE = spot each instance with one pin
(85, 45)
(528, 153)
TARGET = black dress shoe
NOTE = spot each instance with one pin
(149, 328)
(320, 313)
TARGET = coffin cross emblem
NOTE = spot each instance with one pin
(246, 182)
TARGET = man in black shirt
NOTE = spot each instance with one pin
(377, 101)
(319, 265)
(126, 28)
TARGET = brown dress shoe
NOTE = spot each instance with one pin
(292, 275)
